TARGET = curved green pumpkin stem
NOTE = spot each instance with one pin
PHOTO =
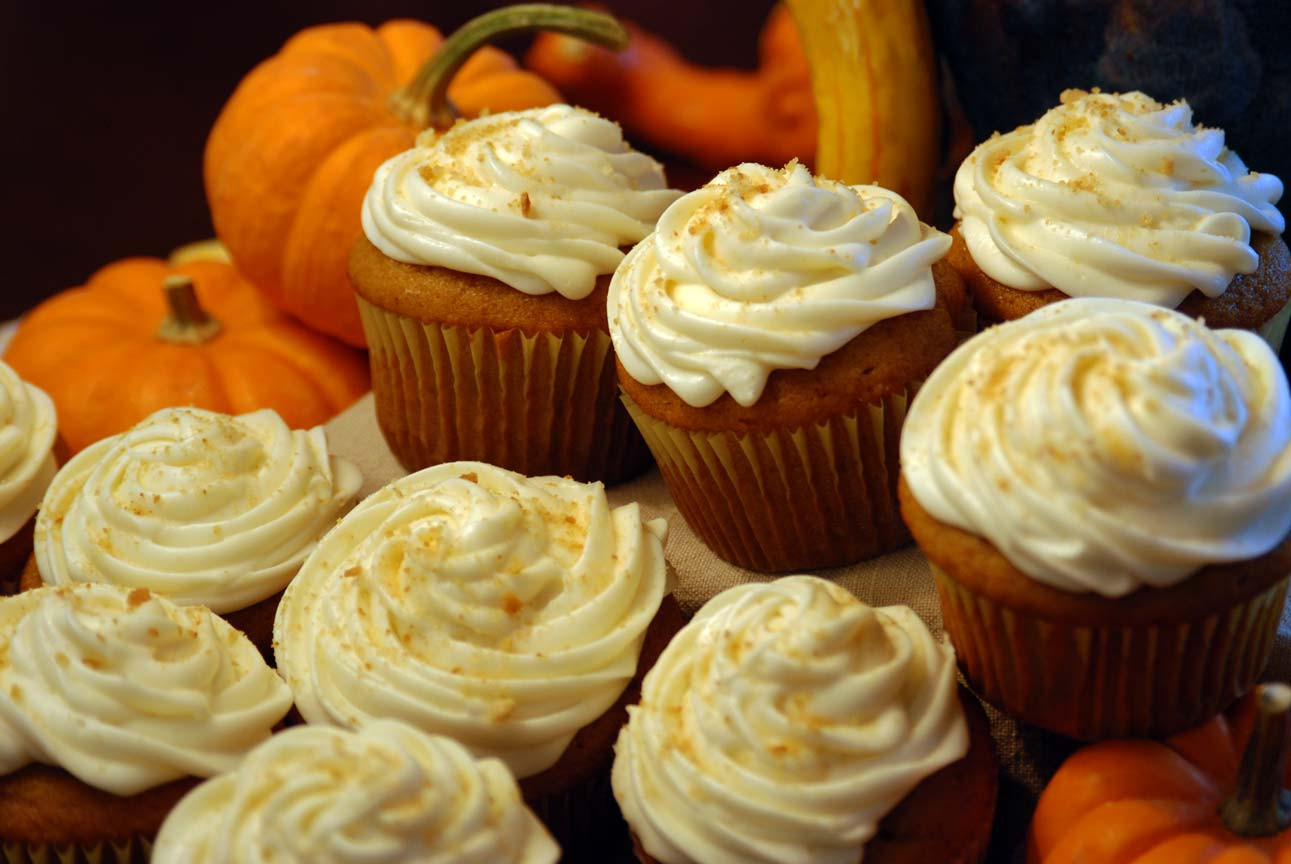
(186, 322)
(1258, 805)
(424, 102)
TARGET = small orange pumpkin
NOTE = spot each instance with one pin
(293, 151)
(112, 352)
(1213, 795)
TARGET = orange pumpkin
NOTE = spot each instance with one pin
(1213, 795)
(294, 149)
(112, 352)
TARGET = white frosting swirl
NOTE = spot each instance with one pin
(1114, 195)
(201, 507)
(28, 424)
(388, 793)
(126, 690)
(1105, 445)
(505, 612)
(782, 724)
(539, 199)
(765, 269)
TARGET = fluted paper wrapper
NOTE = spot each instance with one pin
(541, 403)
(586, 812)
(135, 851)
(1100, 681)
(803, 498)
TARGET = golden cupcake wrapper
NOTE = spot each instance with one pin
(822, 495)
(542, 403)
(134, 851)
(1274, 330)
(1100, 681)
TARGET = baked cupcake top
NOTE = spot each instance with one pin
(28, 424)
(765, 269)
(503, 611)
(541, 199)
(1114, 195)
(782, 723)
(202, 507)
(1106, 445)
(126, 690)
(388, 792)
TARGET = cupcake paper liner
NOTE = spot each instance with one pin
(134, 851)
(821, 495)
(541, 403)
(1099, 681)
(586, 822)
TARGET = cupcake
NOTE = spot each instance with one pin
(112, 702)
(1103, 489)
(789, 722)
(769, 334)
(200, 507)
(1116, 195)
(388, 792)
(512, 614)
(481, 285)
(28, 426)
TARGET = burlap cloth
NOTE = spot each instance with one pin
(1028, 756)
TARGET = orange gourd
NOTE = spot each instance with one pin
(294, 149)
(715, 117)
(141, 335)
(1213, 795)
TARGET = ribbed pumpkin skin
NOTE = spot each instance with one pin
(93, 350)
(1145, 802)
(294, 149)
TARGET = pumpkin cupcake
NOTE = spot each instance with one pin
(789, 722)
(387, 792)
(769, 335)
(1116, 195)
(200, 507)
(513, 614)
(1103, 489)
(113, 701)
(28, 428)
(481, 284)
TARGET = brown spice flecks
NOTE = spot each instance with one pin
(511, 604)
(525, 204)
(137, 598)
(471, 477)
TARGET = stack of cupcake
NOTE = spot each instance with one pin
(1103, 488)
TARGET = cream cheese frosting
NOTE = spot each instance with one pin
(503, 611)
(765, 269)
(126, 690)
(28, 424)
(202, 507)
(1106, 445)
(541, 199)
(781, 724)
(1114, 195)
(387, 793)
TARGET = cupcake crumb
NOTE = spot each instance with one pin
(137, 598)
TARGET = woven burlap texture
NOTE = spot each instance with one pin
(1027, 756)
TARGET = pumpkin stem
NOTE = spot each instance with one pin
(186, 322)
(424, 102)
(1258, 805)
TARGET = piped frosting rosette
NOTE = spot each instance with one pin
(503, 611)
(1114, 195)
(28, 424)
(126, 690)
(202, 507)
(782, 724)
(1107, 445)
(765, 269)
(387, 793)
(541, 199)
